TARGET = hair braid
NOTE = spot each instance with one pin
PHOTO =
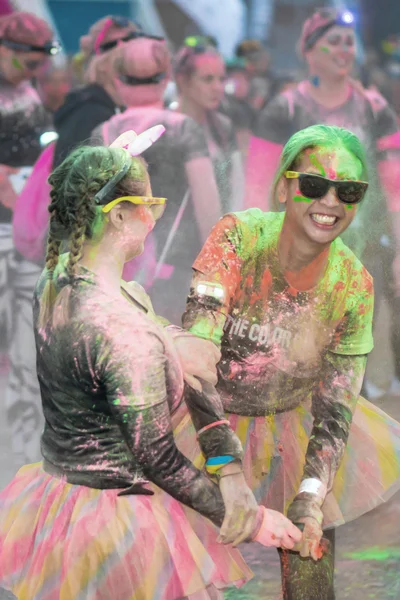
(78, 236)
(49, 293)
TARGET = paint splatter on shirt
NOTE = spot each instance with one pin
(110, 379)
(273, 338)
(281, 347)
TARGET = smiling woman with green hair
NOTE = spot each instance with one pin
(290, 307)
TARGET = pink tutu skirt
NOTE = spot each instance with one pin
(274, 455)
(67, 542)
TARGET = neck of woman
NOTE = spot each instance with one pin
(329, 92)
(105, 263)
(302, 261)
(193, 110)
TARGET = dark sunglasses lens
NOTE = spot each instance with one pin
(351, 192)
(32, 65)
(313, 187)
(108, 46)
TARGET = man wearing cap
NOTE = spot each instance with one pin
(26, 45)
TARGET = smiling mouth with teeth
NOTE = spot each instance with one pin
(324, 219)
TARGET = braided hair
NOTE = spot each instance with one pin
(74, 214)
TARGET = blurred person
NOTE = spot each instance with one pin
(179, 166)
(95, 101)
(53, 84)
(235, 104)
(115, 509)
(104, 35)
(26, 45)
(200, 77)
(258, 66)
(290, 307)
(331, 96)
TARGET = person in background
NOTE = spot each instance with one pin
(258, 63)
(290, 307)
(26, 47)
(53, 84)
(235, 104)
(95, 101)
(331, 96)
(200, 77)
(179, 166)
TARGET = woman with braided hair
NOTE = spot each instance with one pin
(115, 510)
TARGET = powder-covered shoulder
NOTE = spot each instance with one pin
(351, 268)
(257, 221)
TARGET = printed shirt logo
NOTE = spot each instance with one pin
(263, 335)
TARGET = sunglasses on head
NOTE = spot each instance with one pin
(157, 205)
(316, 187)
(194, 41)
(133, 35)
(50, 48)
(131, 80)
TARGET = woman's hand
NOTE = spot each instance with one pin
(310, 543)
(199, 358)
(277, 531)
(306, 509)
(241, 509)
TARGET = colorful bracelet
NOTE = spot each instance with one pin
(211, 425)
(217, 462)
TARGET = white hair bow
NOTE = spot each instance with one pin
(136, 144)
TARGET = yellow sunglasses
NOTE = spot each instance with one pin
(157, 205)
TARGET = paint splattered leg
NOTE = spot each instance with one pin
(305, 579)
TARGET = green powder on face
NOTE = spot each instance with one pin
(315, 162)
(325, 49)
(349, 206)
(17, 64)
(298, 198)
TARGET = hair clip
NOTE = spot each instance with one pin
(137, 144)
(146, 139)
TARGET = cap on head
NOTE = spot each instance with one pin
(25, 28)
(319, 23)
